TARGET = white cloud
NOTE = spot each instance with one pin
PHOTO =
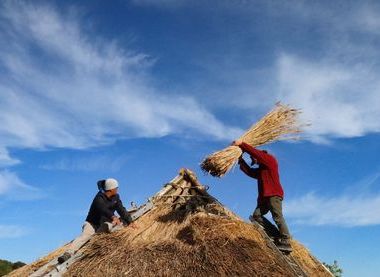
(338, 87)
(13, 188)
(335, 81)
(63, 88)
(367, 19)
(92, 163)
(12, 231)
(355, 206)
(338, 100)
(5, 159)
(344, 211)
(162, 3)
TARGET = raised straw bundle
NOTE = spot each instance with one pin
(280, 123)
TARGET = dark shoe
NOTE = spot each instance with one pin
(106, 227)
(257, 223)
(63, 258)
(283, 244)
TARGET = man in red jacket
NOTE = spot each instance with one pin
(270, 190)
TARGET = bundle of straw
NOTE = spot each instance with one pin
(280, 123)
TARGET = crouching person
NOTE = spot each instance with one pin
(101, 216)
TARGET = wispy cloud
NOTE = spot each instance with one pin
(337, 88)
(337, 84)
(338, 100)
(369, 19)
(92, 163)
(344, 211)
(335, 81)
(351, 208)
(5, 159)
(63, 87)
(12, 231)
(162, 3)
(13, 188)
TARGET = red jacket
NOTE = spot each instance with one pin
(267, 175)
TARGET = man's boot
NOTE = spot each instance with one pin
(284, 245)
(105, 227)
(108, 227)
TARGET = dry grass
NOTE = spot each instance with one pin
(308, 262)
(201, 245)
(280, 123)
(26, 270)
(188, 233)
(182, 243)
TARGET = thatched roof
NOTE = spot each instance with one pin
(187, 233)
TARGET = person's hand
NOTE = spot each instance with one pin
(133, 225)
(116, 221)
(237, 142)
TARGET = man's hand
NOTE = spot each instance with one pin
(237, 142)
(133, 225)
(116, 221)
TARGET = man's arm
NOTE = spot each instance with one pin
(260, 156)
(122, 211)
(247, 169)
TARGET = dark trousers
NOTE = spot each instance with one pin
(274, 205)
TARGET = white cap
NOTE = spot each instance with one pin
(110, 183)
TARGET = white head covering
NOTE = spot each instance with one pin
(110, 183)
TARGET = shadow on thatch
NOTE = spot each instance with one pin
(193, 204)
(174, 216)
(186, 235)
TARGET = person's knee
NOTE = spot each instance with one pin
(257, 217)
(88, 229)
(278, 218)
(256, 212)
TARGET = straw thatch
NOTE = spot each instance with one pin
(280, 123)
(187, 233)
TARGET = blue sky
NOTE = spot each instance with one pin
(136, 90)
